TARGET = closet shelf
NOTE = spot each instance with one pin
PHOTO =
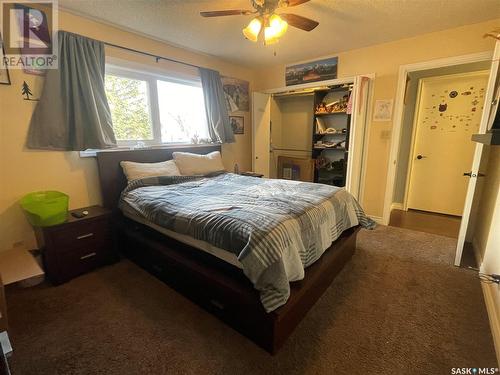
(331, 148)
(321, 134)
(330, 113)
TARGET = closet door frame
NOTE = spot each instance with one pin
(362, 87)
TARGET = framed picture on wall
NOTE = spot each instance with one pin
(4, 71)
(237, 94)
(313, 71)
(383, 110)
(238, 124)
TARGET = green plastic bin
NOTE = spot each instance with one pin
(45, 208)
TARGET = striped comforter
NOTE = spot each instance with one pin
(275, 227)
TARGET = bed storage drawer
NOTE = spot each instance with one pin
(223, 290)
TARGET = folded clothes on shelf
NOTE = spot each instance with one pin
(329, 144)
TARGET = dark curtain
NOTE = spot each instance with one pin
(73, 112)
(219, 127)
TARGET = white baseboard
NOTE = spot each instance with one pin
(397, 206)
(491, 301)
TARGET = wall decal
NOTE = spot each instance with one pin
(459, 112)
(26, 91)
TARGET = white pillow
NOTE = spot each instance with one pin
(193, 164)
(134, 171)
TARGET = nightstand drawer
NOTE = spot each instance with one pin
(77, 261)
(82, 236)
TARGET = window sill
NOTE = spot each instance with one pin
(93, 153)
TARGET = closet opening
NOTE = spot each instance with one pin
(313, 134)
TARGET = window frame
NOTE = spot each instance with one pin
(151, 79)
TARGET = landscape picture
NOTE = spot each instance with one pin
(313, 71)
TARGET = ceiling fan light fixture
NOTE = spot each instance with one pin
(276, 28)
(252, 31)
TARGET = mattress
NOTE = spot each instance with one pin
(204, 246)
(274, 228)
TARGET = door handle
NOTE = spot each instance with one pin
(470, 174)
(420, 157)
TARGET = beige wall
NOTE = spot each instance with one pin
(486, 237)
(384, 60)
(23, 171)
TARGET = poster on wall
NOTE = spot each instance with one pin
(313, 71)
(382, 110)
(4, 72)
(237, 124)
(236, 93)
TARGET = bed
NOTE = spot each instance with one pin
(265, 303)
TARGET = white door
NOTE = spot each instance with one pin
(493, 86)
(261, 114)
(357, 137)
(448, 112)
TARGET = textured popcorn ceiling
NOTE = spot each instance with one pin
(344, 24)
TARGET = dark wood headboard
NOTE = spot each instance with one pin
(111, 176)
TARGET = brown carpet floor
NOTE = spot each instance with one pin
(398, 307)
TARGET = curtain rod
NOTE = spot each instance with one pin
(157, 57)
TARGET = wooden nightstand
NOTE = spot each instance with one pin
(78, 245)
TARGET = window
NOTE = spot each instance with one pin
(130, 109)
(182, 112)
(149, 109)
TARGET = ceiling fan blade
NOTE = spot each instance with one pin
(220, 13)
(293, 3)
(299, 22)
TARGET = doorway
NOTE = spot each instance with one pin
(420, 211)
(475, 185)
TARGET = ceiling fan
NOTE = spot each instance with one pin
(267, 22)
